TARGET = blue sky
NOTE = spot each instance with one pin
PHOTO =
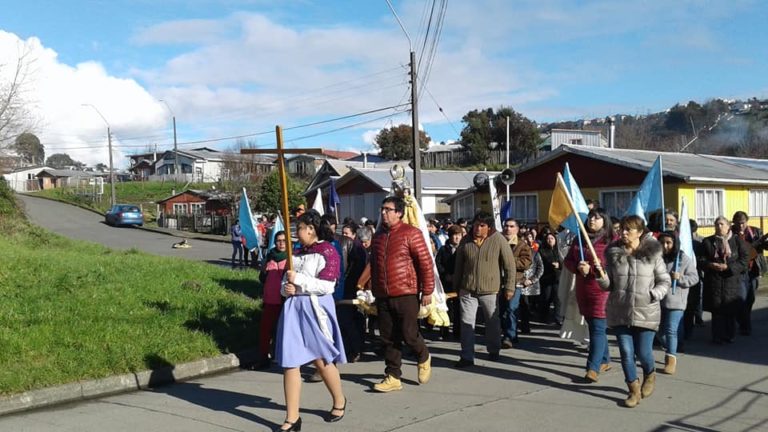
(232, 68)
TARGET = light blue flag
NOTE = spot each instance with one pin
(685, 236)
(650, 196)
(579, 203)
(276, 228)
(247, 225)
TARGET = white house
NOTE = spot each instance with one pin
(25, 179)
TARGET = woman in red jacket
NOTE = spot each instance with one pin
(589, 296)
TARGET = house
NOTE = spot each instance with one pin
(335, 169)
(201, 165)
(558, 137)
(192, 201)
(361, 190)
(306, 165)
(50, 178)
(711, 185)
(25, 179)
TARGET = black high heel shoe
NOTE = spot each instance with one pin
(334, 418)
(294, 426)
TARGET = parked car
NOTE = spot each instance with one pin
(124, 214)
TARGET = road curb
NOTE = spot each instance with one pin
(84, 390)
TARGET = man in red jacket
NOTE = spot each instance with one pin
(401, 267)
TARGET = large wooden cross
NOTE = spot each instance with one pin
(281, 152)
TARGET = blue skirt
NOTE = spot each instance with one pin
(299, 338)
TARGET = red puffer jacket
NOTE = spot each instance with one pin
(590, 298)
(400, 262)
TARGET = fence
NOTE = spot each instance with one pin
(198, 223)
(463, 157)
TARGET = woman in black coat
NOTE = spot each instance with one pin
(725, 260)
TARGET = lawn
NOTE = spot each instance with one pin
(75, 310)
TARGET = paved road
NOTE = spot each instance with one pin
(74, 222)
(533, 388)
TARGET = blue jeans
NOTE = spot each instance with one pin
(670, 326)
(635, 342)
(509, 315)
(598, 344)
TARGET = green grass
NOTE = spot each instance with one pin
(145, 194)
(73, 310)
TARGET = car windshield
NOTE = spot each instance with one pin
(130, 209)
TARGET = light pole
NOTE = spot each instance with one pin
(414, 114)
(109, 141)
(175, 147)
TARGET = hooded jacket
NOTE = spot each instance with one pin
(637, 282)
(689, 277)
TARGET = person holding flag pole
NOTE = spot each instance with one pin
(598, 234)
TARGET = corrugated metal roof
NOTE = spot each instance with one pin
(692, 168)
(430, 179)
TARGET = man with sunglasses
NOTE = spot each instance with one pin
(401, 268)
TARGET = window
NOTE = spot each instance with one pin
(709, 205)
(464, 207)
(180, 209)
(575, 141)
(197, 208)
(616, 202)
(758, 202)
(525, 208)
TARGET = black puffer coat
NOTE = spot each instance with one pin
(722, 289)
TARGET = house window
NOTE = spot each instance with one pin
(709, 205)
(180, 208)
(464, 207)
(758, 202)
(525, 208)
(576, 141)
(197, 208)
(616, 202)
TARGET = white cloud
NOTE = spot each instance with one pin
(56, 93)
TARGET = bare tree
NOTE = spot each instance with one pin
(15, 114)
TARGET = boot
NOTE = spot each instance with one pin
(649, 384)
(425, 370)
(390, 383)
(633, 396)
(670, 364)
(591, 376)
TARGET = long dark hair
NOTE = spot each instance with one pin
(671, 255)
(312, 218)
(606, 234)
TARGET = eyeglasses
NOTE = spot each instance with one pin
(387, 209)
(510, 226)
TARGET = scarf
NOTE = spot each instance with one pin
(723, 249)
(277, 256)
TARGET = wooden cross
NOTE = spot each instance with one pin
(281, 152)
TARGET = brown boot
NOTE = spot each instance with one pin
(670, 364)
(649, 384)
(591, 376)
(633, 396)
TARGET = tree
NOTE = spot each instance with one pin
(15, 117)
(60, 160)
(395, 143)
(486, 126)
(27, 145)
(268, 198)
(101, 167)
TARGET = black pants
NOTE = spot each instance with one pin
(744, 317)
(398, 324)
(723, 326)
(352, 323)
(547, 297)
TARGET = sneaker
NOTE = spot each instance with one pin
(462, 363)
(591, 376)
(315, 378)
(605, 367)
(506, 344)
(388, 384)
(425, 371)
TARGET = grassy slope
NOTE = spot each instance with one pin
(74, 310)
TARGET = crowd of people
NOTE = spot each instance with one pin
(630, 279)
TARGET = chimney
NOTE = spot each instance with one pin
(611, 132)
(365, 160)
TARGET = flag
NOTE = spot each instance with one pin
(650, 196)
(494, 203)
(333, 198)
(247, 224)
(685, 236)
(579, 203)
(506, 210)
(559, 207)
(318, 205)
(276, 228)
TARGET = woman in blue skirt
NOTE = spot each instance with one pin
(308, 330)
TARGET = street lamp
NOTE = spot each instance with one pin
(109, 141)
(414, 114)
(175, 147)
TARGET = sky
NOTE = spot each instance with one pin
(229, 71)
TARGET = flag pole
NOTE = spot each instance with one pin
(661, 190)
(581, 225)
(284, 197)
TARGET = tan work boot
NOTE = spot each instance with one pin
(633, 397)
(425, 370)
(388, 384)
(591, 376)
(649, 384)
(670, 364)
(605, 367)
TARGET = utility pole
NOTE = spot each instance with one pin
(415, 127)
(175, 144)
(507, 154)
(109, 142)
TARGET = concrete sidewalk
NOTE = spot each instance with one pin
(535, 387)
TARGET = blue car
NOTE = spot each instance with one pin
(124, 214)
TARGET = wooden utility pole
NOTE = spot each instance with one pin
(281, 152)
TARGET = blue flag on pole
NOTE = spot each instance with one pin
(650, 196)
(247, 224)
(333, 198)
(579, 203)
(276, 228)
